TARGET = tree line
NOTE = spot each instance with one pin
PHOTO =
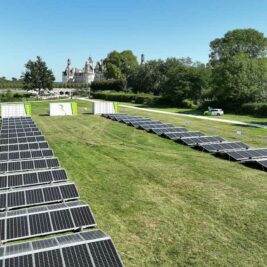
(235, 74)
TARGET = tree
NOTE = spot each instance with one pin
(185, 82)
(112, 72)
(238, 80)
(118, 65)
(37, 75)
(238, 67)
(147, 77)
(247, 41)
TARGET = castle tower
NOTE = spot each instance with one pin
(142, 59)
(67, 74)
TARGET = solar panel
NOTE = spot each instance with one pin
(121, 119)
(161, 131)
(135, 122)
(139, 124)
(32, 178)
(19, 140)
(38, 195)
(151, 126)
(23, 134)
(161, 126)
(20, 130)
(88, 249)
(193, 141)
(247, 154)
(178, 135)
(223, 146)
(37, 221)
(40, 153)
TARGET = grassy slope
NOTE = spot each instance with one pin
(164, 204)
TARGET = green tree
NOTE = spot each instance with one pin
(238, 80)
(238, 67)
(247, 41)
(112, 72)
(37, 75)
(185, 82)
(119, 64)
(147, 77)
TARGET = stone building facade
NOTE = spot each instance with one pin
(85, 75)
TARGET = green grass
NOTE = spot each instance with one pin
(164, 204)
(227, 116)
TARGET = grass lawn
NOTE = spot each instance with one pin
(243, 118)
(164, 204)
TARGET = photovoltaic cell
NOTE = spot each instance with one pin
(48, 258)
(77, 256)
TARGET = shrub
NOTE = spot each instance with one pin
(187, 103)
(108, 85)
(128, 97)
(258, 109)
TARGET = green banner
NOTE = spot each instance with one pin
(28, 109)
(116, 107)
(74, 108)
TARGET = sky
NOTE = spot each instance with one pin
(60, 29)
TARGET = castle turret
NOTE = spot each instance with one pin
(142, 59)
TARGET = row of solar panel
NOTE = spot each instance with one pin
(23, 146)
(27, 154)
(23, 134)
(17, 140)
(30, 222)
(214, 144)
(88, 249)
(32, 178)
(26, 165)
(17, 125)
(23, 118)
(21, 130)
(37, 195)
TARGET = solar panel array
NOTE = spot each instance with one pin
(36, 199)
(92, 248)
(237, 151)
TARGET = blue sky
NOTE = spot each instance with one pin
(61, 29)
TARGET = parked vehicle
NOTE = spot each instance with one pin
(214, 112)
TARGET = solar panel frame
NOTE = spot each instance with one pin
(195, 141)
(28, 195)
(224, 146)
(161, 131)
(140, 124)
(23, 134)
(132, 122)
(22, 140)
(247, 154)
(157, 126)
(20, 130)
(17, 218)
(178, 135)
(66, 244)
(31, 178)
(26, 154)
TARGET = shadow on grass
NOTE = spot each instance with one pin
(44, 114)
(259, 122)
(87, 113)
